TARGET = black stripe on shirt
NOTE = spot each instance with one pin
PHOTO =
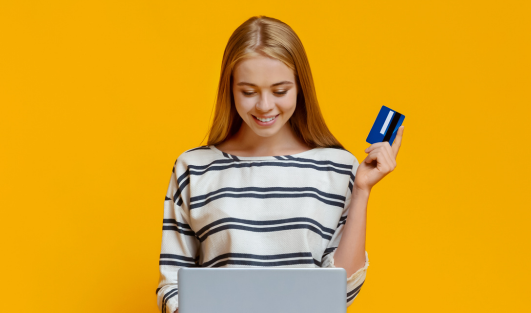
(229, 160)
(355, 289)
(185, 183)
(322, 162)
(263, 223)
(167, 297)
(265, 229)
(268, 189)
(328, 251)
(177, 229)
(318, 162)
(173, 221)
(352, 297)
(178, 257)
(352, 294)
(183, 176)
(254, 263)
(199, 148)
(257, 257)
(266, 196)
(215, 162)
(174, 164)
(181, 228)
(342, 221)
(285, 163)
(177, 197)
(175, 263)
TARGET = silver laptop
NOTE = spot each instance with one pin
(262, 290)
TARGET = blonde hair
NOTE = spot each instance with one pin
(261, 35)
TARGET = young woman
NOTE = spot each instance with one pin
(273, 187)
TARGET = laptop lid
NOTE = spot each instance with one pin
(262, 290)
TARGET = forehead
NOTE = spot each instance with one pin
(262, 71)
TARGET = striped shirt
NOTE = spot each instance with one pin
(223, 210)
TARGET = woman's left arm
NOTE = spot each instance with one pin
(380, 161)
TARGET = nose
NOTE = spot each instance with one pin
(265, 102)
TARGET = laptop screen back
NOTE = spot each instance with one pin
(262, 290)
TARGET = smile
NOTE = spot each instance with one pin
(265, 121)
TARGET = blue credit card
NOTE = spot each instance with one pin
(385, 126)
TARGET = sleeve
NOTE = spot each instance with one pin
(180, 246)
(356, 280)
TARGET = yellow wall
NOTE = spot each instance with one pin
(98, 98)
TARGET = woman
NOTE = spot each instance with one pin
(273, 187)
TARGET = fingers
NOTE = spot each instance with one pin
(381, 145)
(371, 157)
(398, 140)
(387, 152)
(390, 162)
(383, 155)
(376, 145)
(396, 144)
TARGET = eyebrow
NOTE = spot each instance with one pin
(275, 84)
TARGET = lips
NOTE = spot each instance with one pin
(262, 118)
(265, 123)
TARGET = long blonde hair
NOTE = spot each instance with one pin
(273, 38)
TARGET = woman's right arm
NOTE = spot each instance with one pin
(180, 247)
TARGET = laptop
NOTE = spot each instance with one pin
(262, 290)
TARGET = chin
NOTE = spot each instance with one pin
(266, 133)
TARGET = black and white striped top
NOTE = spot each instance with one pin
(223, 210)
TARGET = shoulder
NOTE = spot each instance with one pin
(199, 155)
(196, 152)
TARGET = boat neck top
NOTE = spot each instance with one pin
(223, 210)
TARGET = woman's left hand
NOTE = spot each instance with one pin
(380, 162)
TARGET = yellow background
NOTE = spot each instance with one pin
(98, 98)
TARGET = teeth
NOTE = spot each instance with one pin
(266, 119)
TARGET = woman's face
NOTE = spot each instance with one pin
(265, 94)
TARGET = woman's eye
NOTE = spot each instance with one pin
(279, 93)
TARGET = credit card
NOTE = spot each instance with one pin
(385, 126)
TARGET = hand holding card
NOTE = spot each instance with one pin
(381, 158)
